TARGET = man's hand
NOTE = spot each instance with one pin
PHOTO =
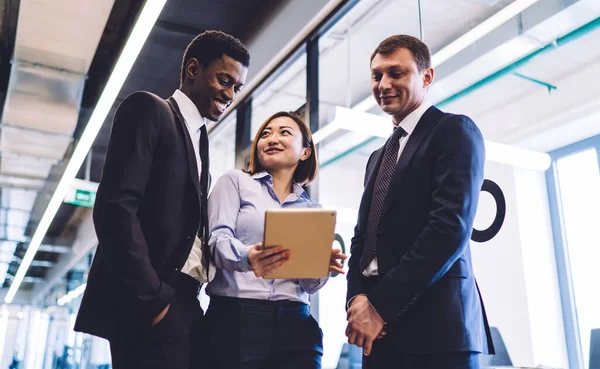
(334, 264)
(382, 333)
(160, 316)
(264, 260)
(364, 324)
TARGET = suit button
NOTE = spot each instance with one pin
(379, 235)
(188, 237)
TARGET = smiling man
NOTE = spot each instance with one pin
(151, 209)
(413, 302)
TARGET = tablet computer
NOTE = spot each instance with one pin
(308, 234)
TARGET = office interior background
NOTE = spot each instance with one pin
(526, 71)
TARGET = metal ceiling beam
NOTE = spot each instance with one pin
(29, 129)
(564, 40)
(55, 249)
(21, 176)
(13, 155)
(20, 210)
(520, 25)
(27, 279)
(21, 187)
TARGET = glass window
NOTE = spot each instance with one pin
(222, 147)
(579, 181)
(285, 91)
(348, 170)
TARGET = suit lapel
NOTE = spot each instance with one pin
(191, 155)
(426, 123)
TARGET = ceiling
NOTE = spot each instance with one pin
(501, 80)
(156, 69)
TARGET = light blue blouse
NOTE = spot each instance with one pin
(236, 209)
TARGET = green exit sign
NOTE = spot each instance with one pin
(82, 193)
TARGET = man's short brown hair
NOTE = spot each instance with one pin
(417, 47)
(306, 171)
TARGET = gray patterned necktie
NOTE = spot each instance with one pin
(380, 190)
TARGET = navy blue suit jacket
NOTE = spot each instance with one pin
(426, 291)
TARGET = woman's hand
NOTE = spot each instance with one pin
(334, 265)
(264, 260)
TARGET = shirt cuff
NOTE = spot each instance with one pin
(352, 298)
(244, 262)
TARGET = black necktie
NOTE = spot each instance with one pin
(204, 231)
(380, 190)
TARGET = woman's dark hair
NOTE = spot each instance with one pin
(307, 169)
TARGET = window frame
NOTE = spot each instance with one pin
(563, 265)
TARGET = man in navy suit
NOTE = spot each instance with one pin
(412, 301)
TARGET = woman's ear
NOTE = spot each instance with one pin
(306, 153)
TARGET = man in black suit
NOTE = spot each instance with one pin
(151, 208)
(412, 301)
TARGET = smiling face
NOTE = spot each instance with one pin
(280, 145)
(214, 87)
(397, 84)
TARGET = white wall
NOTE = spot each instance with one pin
(516, 270)
(499, 269)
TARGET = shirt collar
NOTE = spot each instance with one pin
(264, 175)
(410, 121)
(189, 111)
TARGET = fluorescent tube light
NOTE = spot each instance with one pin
(465, 40)
(379, 126)
(516, 156)
(357, 121)
(141, 30)
(481, 30)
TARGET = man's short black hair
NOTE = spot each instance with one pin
(211, 45)
(417, 47)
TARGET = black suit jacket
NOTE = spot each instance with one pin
(426, 291)
(147, 213)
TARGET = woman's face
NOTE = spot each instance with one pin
(280, 145)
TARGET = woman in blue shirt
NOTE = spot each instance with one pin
(254, 322)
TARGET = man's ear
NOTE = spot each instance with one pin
(428, 76)
(192, 68)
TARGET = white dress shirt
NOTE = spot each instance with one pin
(193, 121)
(408, 124)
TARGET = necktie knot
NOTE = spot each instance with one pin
(398, 132)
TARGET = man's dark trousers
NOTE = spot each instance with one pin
(170, 343)
(384, 354)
